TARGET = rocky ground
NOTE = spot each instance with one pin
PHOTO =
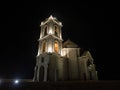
(72, 85)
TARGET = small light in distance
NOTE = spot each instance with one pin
(16, 81)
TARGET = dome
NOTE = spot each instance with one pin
(69, 44)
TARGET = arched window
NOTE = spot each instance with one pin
(88, 62)
(41, 73)
(56, 47)
(44, 46)
(90, 75)
(45, 32)
(42, 59)
(56, 31)
(84, 74)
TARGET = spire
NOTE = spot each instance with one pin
(51, 17)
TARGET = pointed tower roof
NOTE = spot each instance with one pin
(69, 44)
(51, 18)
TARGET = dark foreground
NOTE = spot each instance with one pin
(73, 85)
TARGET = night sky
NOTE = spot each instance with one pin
(88, 25)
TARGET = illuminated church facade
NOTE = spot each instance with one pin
(58, 61)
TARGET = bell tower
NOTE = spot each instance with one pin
(49, 50)
(50, 40)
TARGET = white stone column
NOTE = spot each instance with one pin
(35, 73)
(59, 46)
(39, 48)
(60, 33)
(86, 69)
(38, 73)
(53, 45)
(47, 44)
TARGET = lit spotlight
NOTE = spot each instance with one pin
(16, 81)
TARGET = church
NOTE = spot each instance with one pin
(58, 61)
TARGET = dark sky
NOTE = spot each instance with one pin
(88, 25)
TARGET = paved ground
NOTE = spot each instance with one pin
(73, 85)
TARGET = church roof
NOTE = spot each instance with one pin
(87, 53)
(53, 19)
(69, 44)
(48, 36)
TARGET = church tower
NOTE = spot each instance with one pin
(50, 47)
(50, 40)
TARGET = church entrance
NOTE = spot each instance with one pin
(41, 73)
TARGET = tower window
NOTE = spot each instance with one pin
(56, 47)
(44, 46)
(45, 32)
(56, 31)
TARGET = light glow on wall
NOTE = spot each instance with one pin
(50, 31)
(63, 53)
(50, 49)
(38, 53)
